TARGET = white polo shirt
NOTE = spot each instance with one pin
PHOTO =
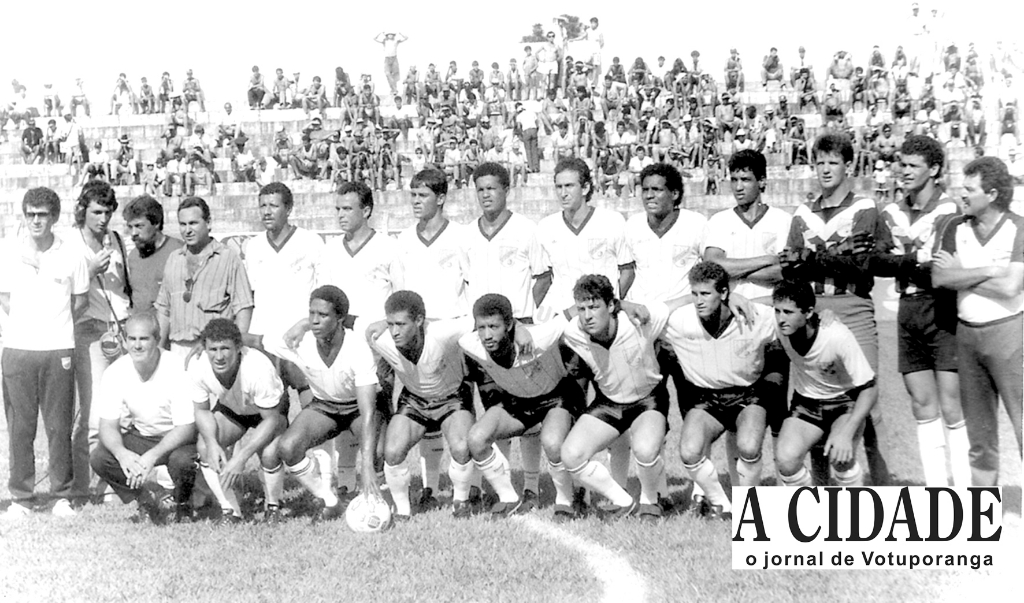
(1003, 246)
(365, 274)
(833, 366)
(627, 371)
(663, 263)
(256, 385)
(41, 286)
(734, 358)
(529, 376)
(154, 406)
(440, 369)
(505, 262)
(598, 246)
(739, 239)
(436, 269)
(352, 368)
(281, 279)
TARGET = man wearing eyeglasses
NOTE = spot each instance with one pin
(202, 281)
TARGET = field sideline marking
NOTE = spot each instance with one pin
(621, 582)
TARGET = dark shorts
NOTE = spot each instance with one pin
(247, 421)
(342, 413)
(431, 413)
(821, 413)
(926, 333)
(621, 416)
(725, 405)
(531, 411)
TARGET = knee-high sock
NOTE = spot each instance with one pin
(799, 479)
(347, 447)
(397, 477)
(529, 450)
(931, 443)
(431, 449)
(703, 472)
(732, 453)
(956, 442)
(495, 469)
(618, 460)
(227, 499)
(853, 476)
(650, 476)
(505, 446)
(462, 479)
(309, 475)
(749, 471)
(563, 483)
(596, 477)
(273, 484)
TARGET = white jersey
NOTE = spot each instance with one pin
(530, 376)
(256, 385)
(833, 366)
(729, 231)
(352, 368)
(366, 274)
(505, 263)
(154, 406)
(627, 371)
(598, 246)
(733, 359)
(663, 263)
(281, 279)
(437, 269)
(440, 369)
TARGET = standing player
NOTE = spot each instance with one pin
(982, 258)
(833, 389)
(926, 321)
(519, 392)
(341, 373)
(830, 244)
(732, 385)
(245, 393)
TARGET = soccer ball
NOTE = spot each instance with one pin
(368, 514)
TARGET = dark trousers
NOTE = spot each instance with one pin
(181, 464)
(37, 382)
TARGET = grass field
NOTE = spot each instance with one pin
(101, 556)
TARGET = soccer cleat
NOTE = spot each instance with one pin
(667, 506)
(530, 501)
(325, 513)
(476, 499)
(715, 513)
(16, 512)
(272, 515)
(396, 518)
(228, 518)
(427, 501)
(565, 514)
(142, 515)
(698, 506)
(579, 503)
(62, 508)
(462, 509)
(615, 513)
(183, 514)
(502, 510)
(345, 495)
(651, 513)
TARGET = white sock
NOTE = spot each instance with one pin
(799, 479)
(529, 450)
(273, 484)
(563, 483)
(704, 473)
(308, 474)
(431, 449)
(505, 446)
(650, 476)
(749, 471)
(163, 477)
(325, 461)
(618, 460)
(462, 476)
(849, 478)
(397, 477)
(959, 459)
(697, 491)
(495, 469)
(227, 499)
(347, 447)
(732, 453)
(931, 443)
(596, 477)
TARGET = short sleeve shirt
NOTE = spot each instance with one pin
(366, 274)
(440, 369)
(529, 376)
(663, 263)
(154, 406)
(739, 239)
(832, 367)
(256, 385)
(436, 269)
(1003, 246)
(505, 262)
(353, 368)
(281, 279)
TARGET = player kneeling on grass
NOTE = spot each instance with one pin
(146, 419)
(834, 389)
(733, 386)
(249, 396)
(518, 391)
(342, 376)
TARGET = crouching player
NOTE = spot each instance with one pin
(834, 389)
(342, 376)
(519, 391)
(247, 394)
(146, 419)
(732, 385)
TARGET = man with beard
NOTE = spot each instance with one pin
(144, 221)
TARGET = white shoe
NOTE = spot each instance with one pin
(62, 508)
(16, 512)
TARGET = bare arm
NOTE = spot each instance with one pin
(765, 266)
(272, 422)
(79, 304)
(627, 274)
(366, 398)
(949, 274)
(839, 445)
(541, 285)
(5, 302)
(243, 318)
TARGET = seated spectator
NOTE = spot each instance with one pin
(725, 114)
(147, 99)
(32, 149)
(637, 163)
(123, 96)
(200, 170)
(303, 161)
(166, 91)
(193, 91)
(125, 169)
(51, 142)
(199, 138)
(150, 179)
(802, 66)
(228, 129)
(796, 141)
(734, 79)
(79, 98)
(99, 163)
(886, 145)
(176, 170)
(51, 100)
(257, 89)
(278, 89)
(771, 68)
(243, 163)
(741, 142)
(173, 142)
(453, 166)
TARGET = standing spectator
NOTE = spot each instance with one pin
(390, 42)
(43, 287)
(528, 121)
(144, 223)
